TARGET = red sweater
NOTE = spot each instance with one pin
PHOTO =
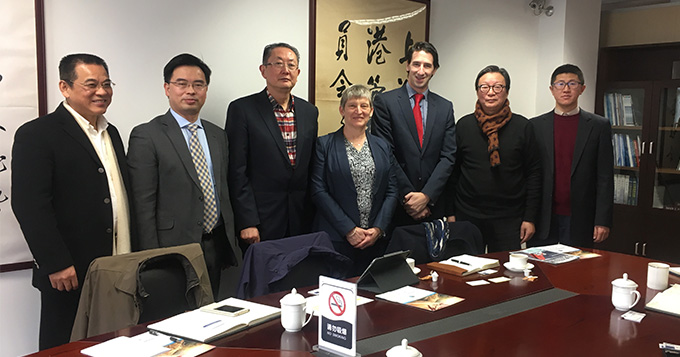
(564, 135)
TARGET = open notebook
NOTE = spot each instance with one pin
(206, 326)
(463, 265)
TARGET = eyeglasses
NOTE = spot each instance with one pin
(183, 85)
(560, 85)
(291, 66)
(93, 86)
(484, 88)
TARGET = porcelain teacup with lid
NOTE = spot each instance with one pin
(403, 350)
(624, 293)
(293, 306)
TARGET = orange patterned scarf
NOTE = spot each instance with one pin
(490, 125)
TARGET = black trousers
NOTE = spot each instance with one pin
(216, 251)
(499, 234)
(57, 313)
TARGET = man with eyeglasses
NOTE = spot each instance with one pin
(69, 181)
(419, 126)
(272, 135)
(578, 167)
(497, 177)
(178, 169)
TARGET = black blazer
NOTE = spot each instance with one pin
(592, 175)
(423, 170)
(334, 193)
(60, 194)
(268, 192)
(168, 198)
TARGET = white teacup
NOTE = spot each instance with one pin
(293, 312)
(411, 263)
(518, 260)
(657, 275)
(624, 293)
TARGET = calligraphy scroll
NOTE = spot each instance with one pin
(361, 42)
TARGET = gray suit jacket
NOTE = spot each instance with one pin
(592, 175)
(168, 200)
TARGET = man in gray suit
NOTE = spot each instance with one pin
(178, 170)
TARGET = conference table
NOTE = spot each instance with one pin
(565, 311)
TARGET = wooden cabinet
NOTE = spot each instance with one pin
(645, 115)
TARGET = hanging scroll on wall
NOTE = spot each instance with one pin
(360, 42)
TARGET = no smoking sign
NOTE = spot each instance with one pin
(336, 303)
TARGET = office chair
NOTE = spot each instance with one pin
(282, 264)
(463, 238)
(123, 290)
(162, 288)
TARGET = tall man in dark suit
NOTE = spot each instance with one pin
(272, 135)
(178, 169)
(69, 195)
(578, 172)
(422, 139)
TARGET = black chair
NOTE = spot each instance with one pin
(125, 290)
(283, 264)
(162, 288)
(464, 238)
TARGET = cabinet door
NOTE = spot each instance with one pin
(626, 105)
(665, 147)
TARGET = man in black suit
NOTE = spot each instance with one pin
(424, 147)
(272, 135)
(69, 181)
(578, 172)
(178, 170)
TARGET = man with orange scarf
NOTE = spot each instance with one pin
(496, 183)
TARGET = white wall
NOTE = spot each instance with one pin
(137, 38)
(20, 312)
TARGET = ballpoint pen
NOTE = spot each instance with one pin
(459, 261)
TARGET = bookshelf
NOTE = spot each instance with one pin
(636, 92)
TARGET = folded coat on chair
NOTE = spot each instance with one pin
(110, 300)
(267, 262)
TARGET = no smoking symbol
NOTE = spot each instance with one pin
(336, 303)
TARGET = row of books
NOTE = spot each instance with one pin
(625, 189)
(618, 108)
(626, 150)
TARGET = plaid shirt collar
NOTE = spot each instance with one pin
(291, 106)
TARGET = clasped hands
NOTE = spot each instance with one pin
(415, 204)
(363, 238)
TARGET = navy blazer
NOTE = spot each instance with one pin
(425, 169)
(266, 191)
(334, 193)
(60, 194)
(592, 175)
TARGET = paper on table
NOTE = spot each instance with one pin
(477, 282)
(124, 346)
(405, 295)
(500, 279)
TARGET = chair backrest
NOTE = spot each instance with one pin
(464, 238)
(282, 264)
(162, 280)
(305, 273)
